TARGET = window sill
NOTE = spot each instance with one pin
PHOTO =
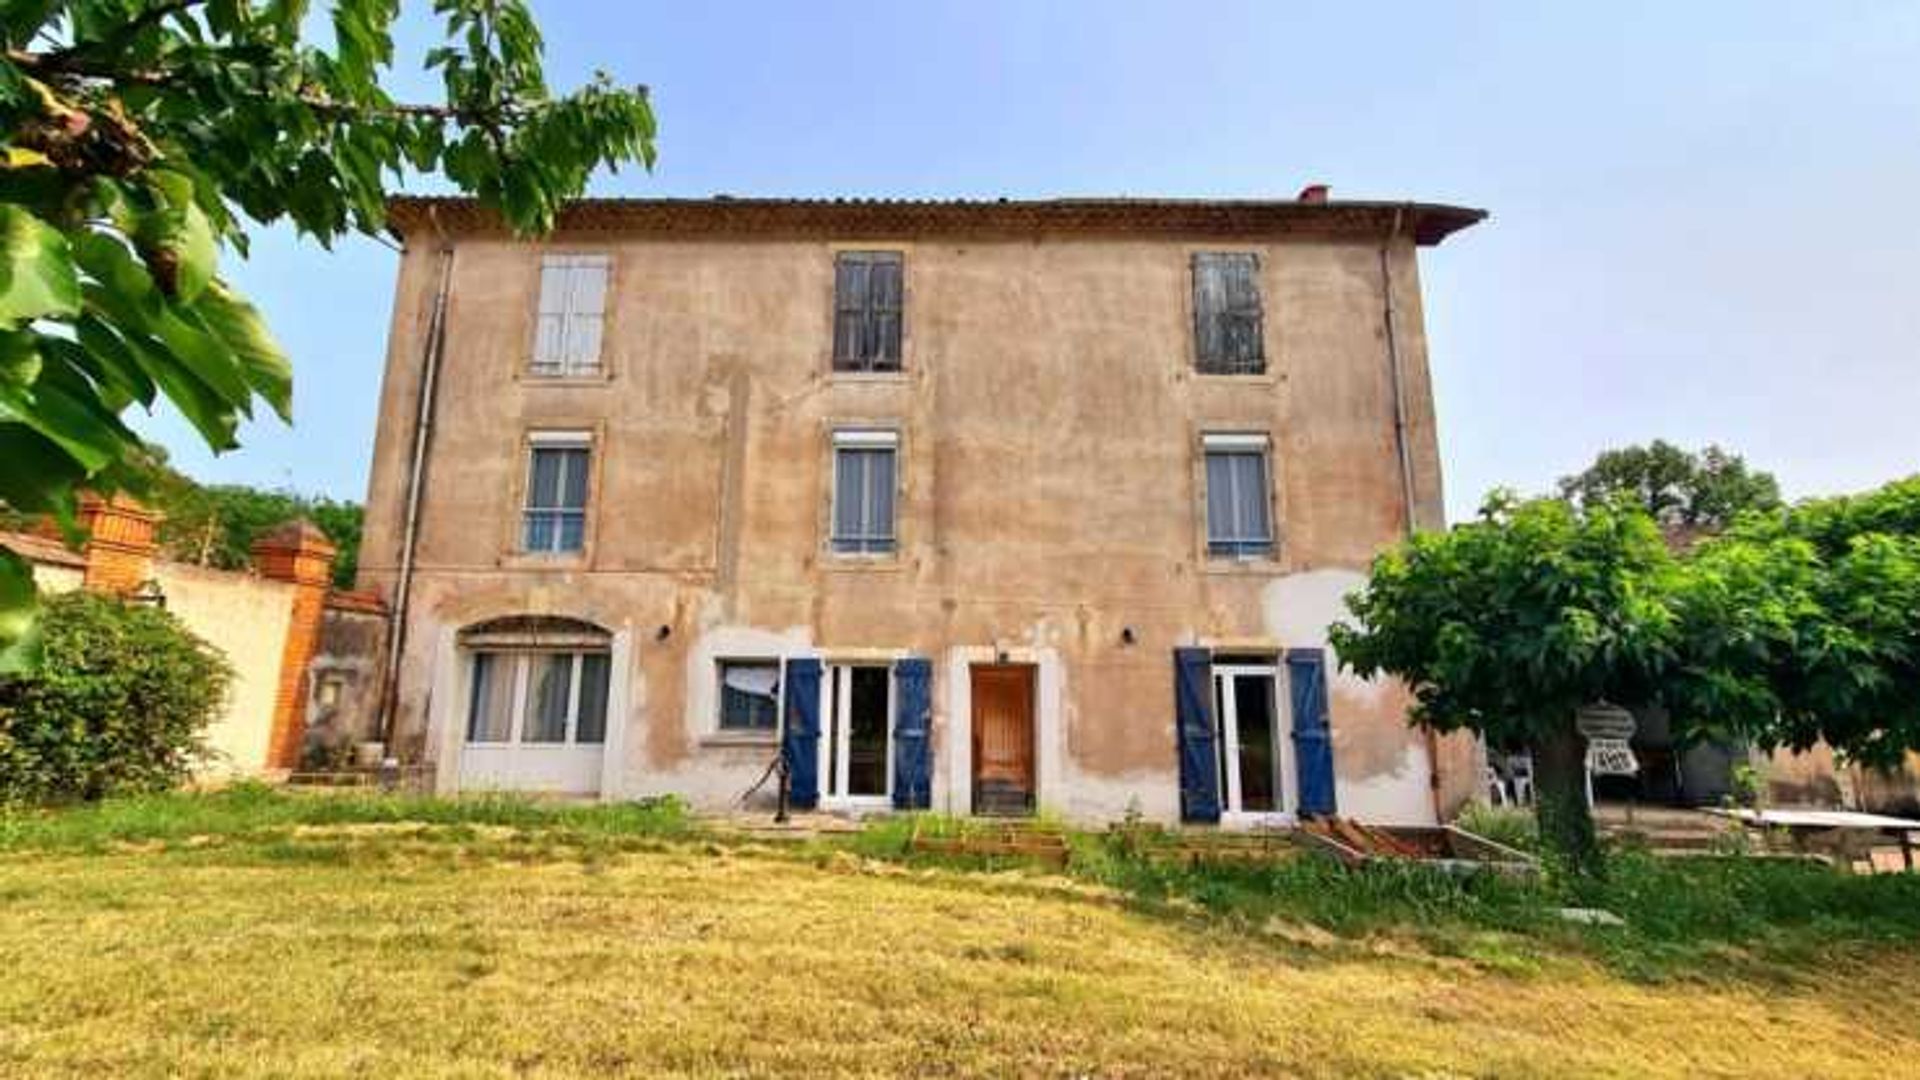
(1244, 564)
(858, 563)
(535, 560)
(749, 740)
(529, 378)
(1237, 378)
(870, 377)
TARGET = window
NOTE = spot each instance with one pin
(555, 518)
(863, 488)
(749, 695)
(1238, 496)
(573, 300)
(533, 698)
(1226, 313)
(867, 290)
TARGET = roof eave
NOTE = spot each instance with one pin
(1426, 223)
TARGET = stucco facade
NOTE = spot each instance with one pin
(1051, 503)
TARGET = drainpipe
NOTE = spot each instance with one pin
(416, 468)
(1389, 317)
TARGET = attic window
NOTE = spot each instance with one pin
(867, 303)
(1226, 314)
(573, 300)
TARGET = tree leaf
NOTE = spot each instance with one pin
(19, 610)
(176, 237)
(37, 274)
(245, 333)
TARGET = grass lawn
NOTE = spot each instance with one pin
(349, 938)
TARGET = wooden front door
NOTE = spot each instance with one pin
(1003, 774)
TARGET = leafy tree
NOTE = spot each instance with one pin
(1703, 491)
(1807, 629)
(216, 524)
(1786, 630)
(139, 138)
(1508, 624)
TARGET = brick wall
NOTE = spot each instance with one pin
(300, 554)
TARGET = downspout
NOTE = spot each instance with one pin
(416, 468)
(1389, 314)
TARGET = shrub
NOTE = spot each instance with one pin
(117, 706)
(1513, 826)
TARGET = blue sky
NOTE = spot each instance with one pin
(1703, 224)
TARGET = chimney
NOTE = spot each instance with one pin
(1314, 193)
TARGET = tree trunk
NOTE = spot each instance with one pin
(1560, 799)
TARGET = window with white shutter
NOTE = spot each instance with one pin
(573, 300)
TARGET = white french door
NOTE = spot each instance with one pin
(856, 737)
(536, 721)
(1255, 754)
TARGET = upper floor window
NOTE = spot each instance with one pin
(573, 300)
(867, 291)
(1226, 313)
(863, 488)
(1239, 496)
(555, 517)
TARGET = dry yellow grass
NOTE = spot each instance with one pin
(426, 963)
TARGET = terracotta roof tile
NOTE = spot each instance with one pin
(1427, 223)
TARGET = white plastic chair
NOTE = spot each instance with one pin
(1520, 772)
(1496, 787)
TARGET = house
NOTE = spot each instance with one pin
(989, 507)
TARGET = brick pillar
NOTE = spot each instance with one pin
(120, 542)
(300, 554)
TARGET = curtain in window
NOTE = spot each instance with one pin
(549, 692)
(748, 696)
(1238, 521)
(490, 708)
(556, 517)
(591, 727)
(863, 498)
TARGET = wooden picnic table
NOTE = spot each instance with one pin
(1834, 830)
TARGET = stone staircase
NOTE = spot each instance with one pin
(1666, 830)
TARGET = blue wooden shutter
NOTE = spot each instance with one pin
(1312, 731)
(802, 742)
(912, 748)
(1193, 730)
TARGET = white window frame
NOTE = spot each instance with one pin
(836, 712)
(555, 440)
(863, 439)
(521, 676)
(573, 268)
(1227, 747)
(1238, 443)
